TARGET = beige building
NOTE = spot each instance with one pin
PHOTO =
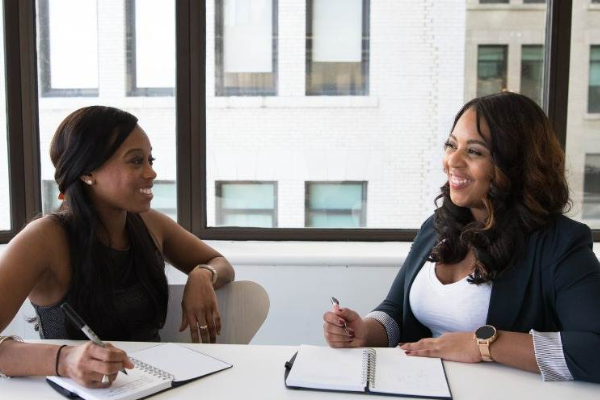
(504, 51)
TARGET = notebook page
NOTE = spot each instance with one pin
(318, 367)
(182, 362)
(135, 385)
(415, 376)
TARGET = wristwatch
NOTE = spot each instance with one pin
(211, 269)
(485, 335)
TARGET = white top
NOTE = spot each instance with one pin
(456, 307)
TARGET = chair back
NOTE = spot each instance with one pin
(243, 306)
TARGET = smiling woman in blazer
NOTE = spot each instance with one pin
(498, 273)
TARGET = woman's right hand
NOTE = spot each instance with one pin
(333, 328)
(88, 363)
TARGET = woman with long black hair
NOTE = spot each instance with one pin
(498, 273)
(103, 251)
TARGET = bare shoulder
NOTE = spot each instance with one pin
(46, 232)
(159, 225)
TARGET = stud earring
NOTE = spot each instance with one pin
(89, 182)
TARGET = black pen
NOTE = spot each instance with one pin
(335, 302)
(80, 324)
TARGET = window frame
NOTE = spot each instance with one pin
(220, 213)
(45, 64)
(220, 89)
(131, 60)
(365, 52)
(589, 86)
(22, 114)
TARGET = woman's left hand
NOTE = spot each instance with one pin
(452, 346)
(199, 307)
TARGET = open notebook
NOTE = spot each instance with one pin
(157, 368)
(378, 370)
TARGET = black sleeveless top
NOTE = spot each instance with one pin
(132, 302)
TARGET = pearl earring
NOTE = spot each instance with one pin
(89, 182)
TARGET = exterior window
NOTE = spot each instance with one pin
(534, 1)
(68, 48)
(246, 47)
(251, 204)
(594, 80)
(150, 47)
(532, 71)
(591, 187)
(491, 69)
(337, 47)
(336, 204)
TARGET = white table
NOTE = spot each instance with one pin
(258, 371)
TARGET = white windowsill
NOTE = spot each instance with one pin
(309, 254)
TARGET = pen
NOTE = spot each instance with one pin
(335, 302)
(80, 324)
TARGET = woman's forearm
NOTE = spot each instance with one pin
(376, 335)
(225, 272)
(515, 349)
(27, 359)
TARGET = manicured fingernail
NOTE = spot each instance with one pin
(341, 321)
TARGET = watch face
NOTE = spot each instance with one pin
(485, 332)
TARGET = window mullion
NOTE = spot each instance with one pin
(557, 58)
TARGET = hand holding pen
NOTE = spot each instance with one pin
(96, 363)
(335, 302)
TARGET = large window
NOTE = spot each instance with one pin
(5, 220)
(249, 204)
(246, 47)
(136, 43)
(150, 51)
(491, 69)
(68, 47)
(267, 116)
(336, 204)
(532, 71)
(337, 47)
(594, 80)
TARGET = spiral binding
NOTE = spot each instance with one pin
(369, 364)
(149, 369)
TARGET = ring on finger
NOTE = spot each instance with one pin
(105, 379)
(203, 327)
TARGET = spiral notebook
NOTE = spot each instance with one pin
(378, 370)
(157, 369)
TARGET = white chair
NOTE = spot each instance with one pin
(243, 306)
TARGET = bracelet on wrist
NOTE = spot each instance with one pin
(58, 359)
(211, 269)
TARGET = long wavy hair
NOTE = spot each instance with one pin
(528, 188)
(84, 141)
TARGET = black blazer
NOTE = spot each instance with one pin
(554, 287)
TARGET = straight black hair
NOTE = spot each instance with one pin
(84, 141)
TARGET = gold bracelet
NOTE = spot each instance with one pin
(2, 340)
